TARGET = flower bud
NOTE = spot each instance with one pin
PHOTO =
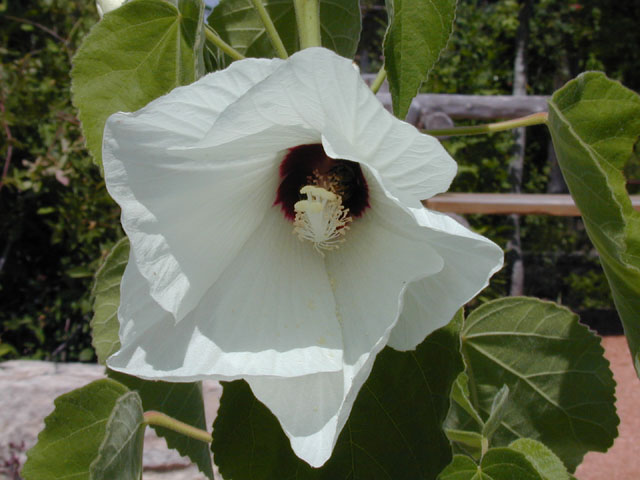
(105, 6)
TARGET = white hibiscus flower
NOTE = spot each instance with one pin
(277, 235)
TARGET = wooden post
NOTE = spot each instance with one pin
(516, 166)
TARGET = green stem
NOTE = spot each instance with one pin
(535, 119)
(161, 420)
(484, 447)
(308, 18)
(379, 80)
(276, 41)
(213, 37)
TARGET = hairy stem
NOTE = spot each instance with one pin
(161, 420)
(308, 18)
(534, 119)
(214, 38)
(379, 80)
(274, 36)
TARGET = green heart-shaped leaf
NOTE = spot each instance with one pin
(548, 465)
(561, 391)
(497, 464)
(74, 433)
(524, 459)
(120, 454)
(595, 123)
(135, 54)
(106, 293)
(418, 31)
(498, 408)
(238, 24)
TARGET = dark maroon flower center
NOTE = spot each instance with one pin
(310, 165)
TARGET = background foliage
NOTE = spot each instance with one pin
(57, 221)
(56, 218)
(566, 38)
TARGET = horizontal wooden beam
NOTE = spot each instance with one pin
(476, 107)
(508, 203)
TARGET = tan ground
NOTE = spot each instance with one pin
(622, 461)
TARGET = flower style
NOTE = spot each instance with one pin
(277, 235)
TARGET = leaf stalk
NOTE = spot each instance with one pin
(269, 26)
(534, 119)
(159, 419)
(308, 18)
(213, 37)
(379, 80)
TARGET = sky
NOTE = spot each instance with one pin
(210, 4)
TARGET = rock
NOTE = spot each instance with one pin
(27, 391)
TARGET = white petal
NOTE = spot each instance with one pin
(413, 166)
(270, 313)
(430, 303)
(384, 251)
(313, 409)
(307, 408)
(322, 91)
(188, 211)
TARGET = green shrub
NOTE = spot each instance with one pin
(56, 218)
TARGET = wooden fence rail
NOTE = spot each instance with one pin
(509, 203)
